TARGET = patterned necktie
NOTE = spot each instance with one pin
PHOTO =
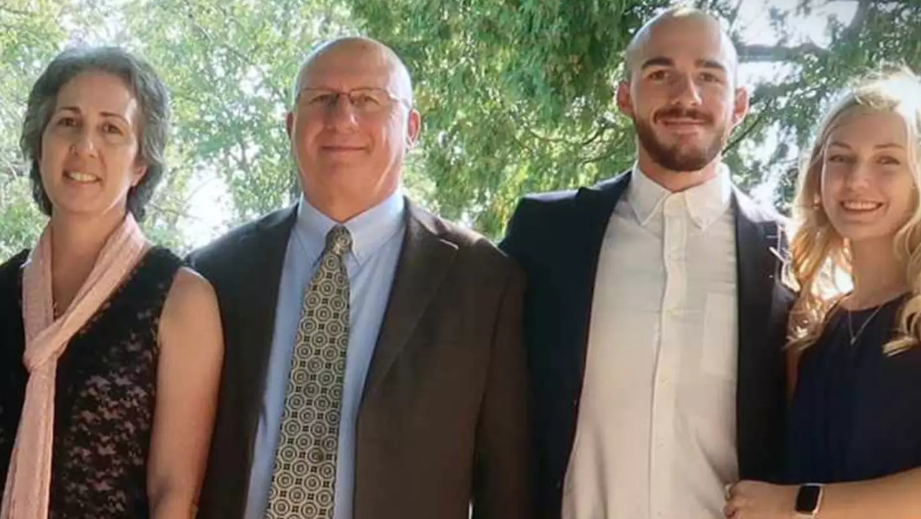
(304, 475)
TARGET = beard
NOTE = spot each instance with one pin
(679, 156)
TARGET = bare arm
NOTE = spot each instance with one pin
(191, 354)
(894, 497)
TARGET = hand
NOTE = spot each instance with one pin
(758, 500)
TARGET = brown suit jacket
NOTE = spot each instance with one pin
(443, 417)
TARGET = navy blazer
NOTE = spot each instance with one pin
(556, 238)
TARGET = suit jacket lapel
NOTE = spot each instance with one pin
(572, 259)
(754, 280)
(595, 206)
(261, 279)
(758, 358)
(424, 261)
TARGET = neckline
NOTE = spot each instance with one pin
(873, 308)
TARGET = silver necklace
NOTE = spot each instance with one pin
(850, 326)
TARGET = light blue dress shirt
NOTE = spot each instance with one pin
(377, 236)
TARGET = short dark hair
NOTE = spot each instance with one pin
(148, 89)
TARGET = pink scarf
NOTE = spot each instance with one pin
(26, 495)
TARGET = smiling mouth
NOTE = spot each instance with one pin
(859, 206)
(81, 177)
(343, 148)
(682, 123)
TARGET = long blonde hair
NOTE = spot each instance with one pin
(820, 263)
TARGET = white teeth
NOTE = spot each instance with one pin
(79, 176)
(860, 206)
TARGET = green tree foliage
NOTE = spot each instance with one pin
(230, 66)
(29, 36)
(517, 95)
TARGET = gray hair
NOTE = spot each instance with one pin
(148, 89)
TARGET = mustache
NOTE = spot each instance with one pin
(684, 113)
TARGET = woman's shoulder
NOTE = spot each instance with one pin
(155, 272)
(190, 291)
(191, 316)
(11, 269)
(162, 258)
(16, 261)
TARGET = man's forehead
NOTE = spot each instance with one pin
(345, 72)
(692, 36)
(694, 39)
(358, 65)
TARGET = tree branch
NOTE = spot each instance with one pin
(9, 167)
(595, 135)
(174, 212)
(859, 20)
(612, 148)
(734, 13)
(17, 12)
(777, 53)
(774, 53)
(274, 89)
(748, 131)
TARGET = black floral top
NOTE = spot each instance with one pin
(104, 397)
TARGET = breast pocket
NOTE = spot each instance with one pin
(720, 339)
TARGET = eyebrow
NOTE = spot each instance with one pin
(888, 145)
(662, 61)
(710, 63)
(657, 62)
(104, 114)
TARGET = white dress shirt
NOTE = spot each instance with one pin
(656, 434)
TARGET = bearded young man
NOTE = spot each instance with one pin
(654, 312)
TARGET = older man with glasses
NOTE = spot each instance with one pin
(373, 367)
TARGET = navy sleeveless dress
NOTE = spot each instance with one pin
(856, 412)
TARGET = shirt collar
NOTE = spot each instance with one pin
(704, 203)
(369, 230)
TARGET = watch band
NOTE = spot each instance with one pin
(809, 500)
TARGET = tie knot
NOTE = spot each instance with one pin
(338, 240)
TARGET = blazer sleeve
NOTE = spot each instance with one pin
(501, 478)
(514, 241)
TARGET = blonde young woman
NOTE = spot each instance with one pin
(854, 426)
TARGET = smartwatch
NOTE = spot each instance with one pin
(808, 501)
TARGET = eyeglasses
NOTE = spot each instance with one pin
(365, 101)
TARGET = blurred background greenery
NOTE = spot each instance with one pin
(516, 95)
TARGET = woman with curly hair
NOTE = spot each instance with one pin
(853, 446)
